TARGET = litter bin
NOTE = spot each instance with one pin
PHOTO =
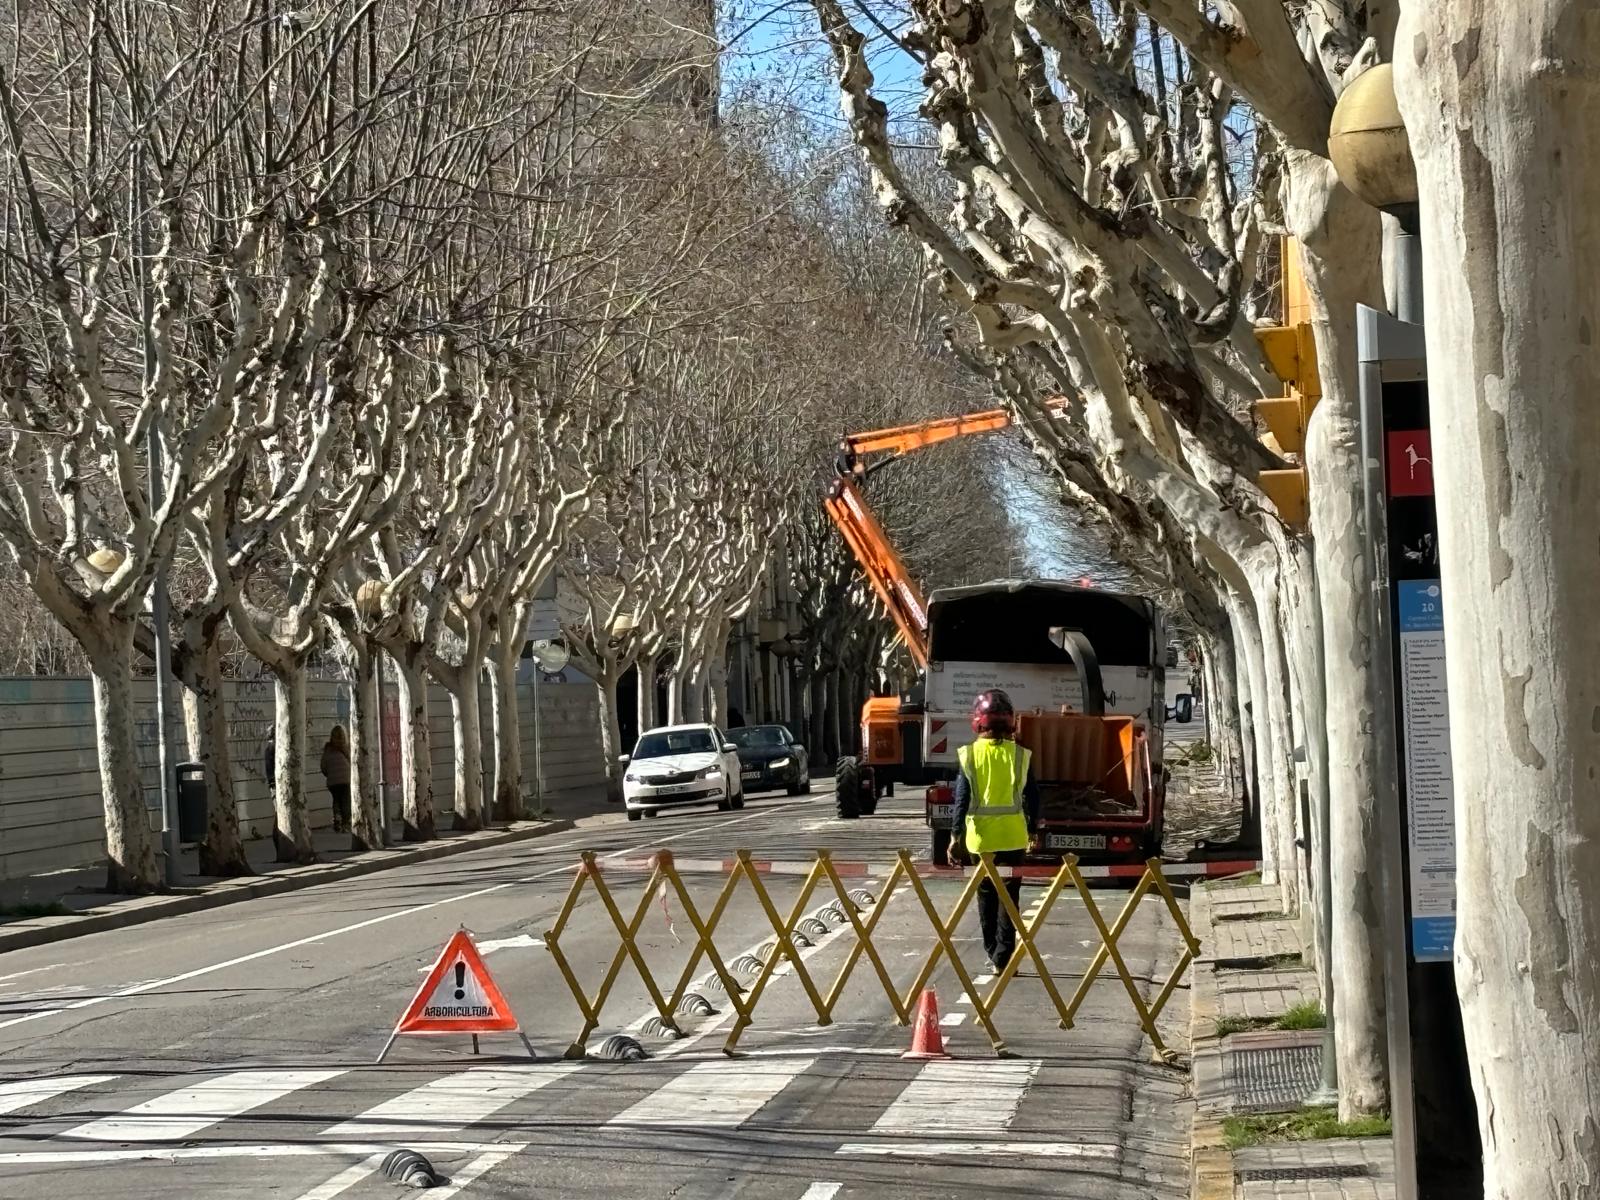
(191, 802)
(1184, 709)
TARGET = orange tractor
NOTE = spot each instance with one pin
(1085, 668)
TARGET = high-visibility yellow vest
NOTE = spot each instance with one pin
(997, 772)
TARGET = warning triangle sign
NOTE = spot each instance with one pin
(458, 996)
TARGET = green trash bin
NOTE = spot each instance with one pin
(191, 802)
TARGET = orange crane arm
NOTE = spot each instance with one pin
(884, 569)
(846, 505)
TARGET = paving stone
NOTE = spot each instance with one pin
(1304, 1170)
(1254, 939)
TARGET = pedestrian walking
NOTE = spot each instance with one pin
(996, 812)
(336, 770)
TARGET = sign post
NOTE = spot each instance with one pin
(1430, 1091)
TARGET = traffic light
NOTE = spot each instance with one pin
(1291, 352)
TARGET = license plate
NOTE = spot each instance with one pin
(749, 775)
(672, 789)
(941, 812)
(1076, 841)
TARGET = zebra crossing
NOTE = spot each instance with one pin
(939, 1108)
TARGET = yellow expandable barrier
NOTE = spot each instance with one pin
(664, 879)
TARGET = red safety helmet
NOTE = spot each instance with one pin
(993, 713)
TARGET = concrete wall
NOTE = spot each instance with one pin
(50, 808)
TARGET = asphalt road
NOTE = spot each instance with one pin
(230, 1053)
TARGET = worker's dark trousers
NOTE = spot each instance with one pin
(999, 938)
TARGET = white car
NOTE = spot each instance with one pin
(681, 764)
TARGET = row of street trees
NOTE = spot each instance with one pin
(349, 324)
(1112, 180)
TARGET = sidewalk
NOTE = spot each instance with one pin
(1250, 973)
(91, 910)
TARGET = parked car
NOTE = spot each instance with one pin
(769, 758)
(681, 765)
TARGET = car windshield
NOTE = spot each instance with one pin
(759, 735)
(674, 741)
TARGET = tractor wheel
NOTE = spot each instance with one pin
(847, 788)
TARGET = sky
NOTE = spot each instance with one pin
(775, 49)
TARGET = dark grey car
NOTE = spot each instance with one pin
(770, 758)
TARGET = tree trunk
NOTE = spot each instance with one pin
(507, 731)
(610, 729)
(1502, 105)
(291, 821)
(132, 867)
(646, 701)
(675, 687)
(1340, 239)
(366, 815)
(1222, 712)
(717, 674)
(817, 742)
(797, 697)
(1302, 621)
(416, 749)
(466, 720)
(837, 722)
(205, 724)
(1249, 745)
(1279, 818)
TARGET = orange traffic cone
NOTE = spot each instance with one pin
(927, 1038)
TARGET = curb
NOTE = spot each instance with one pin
(1211, 1173)
(138, 911)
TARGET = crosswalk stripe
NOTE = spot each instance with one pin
(178, 1114)
(960, 1097)
(725, 1094)
(451, 1102)
(27, 1092)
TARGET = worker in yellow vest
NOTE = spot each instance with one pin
(996, 812)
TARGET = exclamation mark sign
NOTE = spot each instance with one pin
(461, 981)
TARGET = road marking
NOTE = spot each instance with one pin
(963, 1097)
(982, 980)
(723, 1094)
(821, 1191)
(344, 1180)
(952, 1018)
(45, 1158)
(175, 1115)
(155, 984)
(35, 1091)
(451, 1102)
(980, 1149)
(470, 1172)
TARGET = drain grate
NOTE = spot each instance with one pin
(1286, 1174)
(1273, 1079)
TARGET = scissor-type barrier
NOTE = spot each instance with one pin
(861, 911)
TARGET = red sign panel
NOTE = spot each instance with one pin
(1410, 463)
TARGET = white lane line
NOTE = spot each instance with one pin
(449, 1103)
(821, 1191)
(982, 980)
(979, 1149)
(962, 1097)
(723, 1094)
(344, 1180)
(952, 1018)
(175, 1115)
(25, 1092)
(156, 984)
(963, 999)
(478, 1166)
(70, 1158)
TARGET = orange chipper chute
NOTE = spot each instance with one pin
(846, 504)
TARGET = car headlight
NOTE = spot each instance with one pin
(631, 778)
(778, 764)
(709, 773)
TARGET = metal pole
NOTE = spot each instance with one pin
(1408, 265)
(159, 611)
(1386, 756)
(383, 772)
(538, 745)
